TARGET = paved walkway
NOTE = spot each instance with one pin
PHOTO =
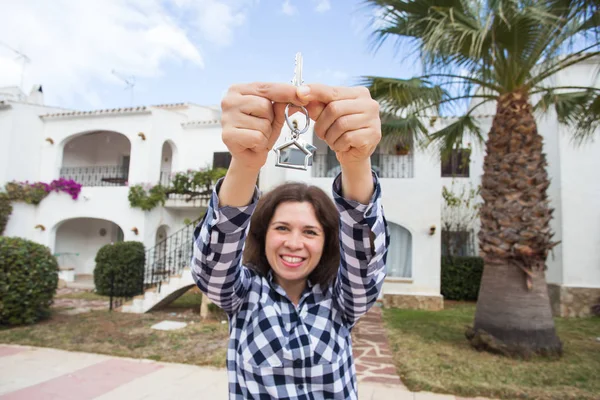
(50, 374)
(372, 355)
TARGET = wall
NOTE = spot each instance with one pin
(21, 132)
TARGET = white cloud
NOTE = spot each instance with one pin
(333, 77)
(322, 5)
(288, 8)
(74, 46)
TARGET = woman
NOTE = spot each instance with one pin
(310, 269)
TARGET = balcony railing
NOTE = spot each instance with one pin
(97, 175)
(385, 165)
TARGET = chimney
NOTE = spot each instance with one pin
(36, 96)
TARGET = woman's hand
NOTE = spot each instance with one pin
(252, 118)
(346, 118)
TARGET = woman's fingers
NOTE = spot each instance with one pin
(334, 111)
(345, 124)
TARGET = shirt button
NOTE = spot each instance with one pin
(300, 387)
(298, 363)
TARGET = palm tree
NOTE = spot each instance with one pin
(504, 52)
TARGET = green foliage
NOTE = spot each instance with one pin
(139, 197)
(28, 281)
(461, 277)
(5, 211)
(192, 184)
(196, 183)
(29, 193)
(123, 260)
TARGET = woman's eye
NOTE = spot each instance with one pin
(310, 232)
(281, 228)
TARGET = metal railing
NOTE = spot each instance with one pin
(385, 165)
(169, 256)
(97, 175)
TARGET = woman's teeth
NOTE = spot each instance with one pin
(291, 259)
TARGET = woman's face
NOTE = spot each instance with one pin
(294, 242)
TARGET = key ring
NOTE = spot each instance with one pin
(295, 131)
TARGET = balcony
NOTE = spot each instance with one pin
(97, 175)
(385, 165)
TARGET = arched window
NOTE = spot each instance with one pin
(399, 257)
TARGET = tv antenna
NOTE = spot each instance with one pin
(129, 84)
(20, 56)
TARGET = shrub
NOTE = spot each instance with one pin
(28, 281)
(30, 193)
(461, 277)
(124, 260)
(5, 211)
(139, 197)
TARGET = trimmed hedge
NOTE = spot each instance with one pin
(5, 211)
(126, 261)
(461, 277)
(28, 281)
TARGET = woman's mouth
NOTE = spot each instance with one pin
(291, 261)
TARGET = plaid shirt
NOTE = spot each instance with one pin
(277, 350)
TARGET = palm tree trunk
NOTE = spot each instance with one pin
(513, 314)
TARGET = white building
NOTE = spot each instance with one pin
(106, 150)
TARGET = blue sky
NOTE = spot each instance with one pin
(185, 50)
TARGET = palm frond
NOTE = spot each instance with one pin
(452, 136)
(406, 130)
(578, 109)
(395, 95)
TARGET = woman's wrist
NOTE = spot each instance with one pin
(357, 180)
(238, 186)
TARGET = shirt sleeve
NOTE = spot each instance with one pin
(217, 253)
(364, 241)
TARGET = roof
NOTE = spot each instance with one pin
(113, 111)
(199, 124)
(106, 111)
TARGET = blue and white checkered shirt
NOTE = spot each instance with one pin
(277, 350)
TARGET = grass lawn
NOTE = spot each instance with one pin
(129, 335)
(431, 353)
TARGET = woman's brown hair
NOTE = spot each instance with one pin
(326, 213)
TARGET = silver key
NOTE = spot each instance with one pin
(297, 81)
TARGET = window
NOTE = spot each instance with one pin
(221, 159)
(457, 165)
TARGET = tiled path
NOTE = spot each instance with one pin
(372, 355)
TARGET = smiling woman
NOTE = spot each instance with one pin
(294, 232)
(312, 266)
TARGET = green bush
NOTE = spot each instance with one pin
(461, 277)
(28, 281)
(5, 211)
(124, 260)
(30, 193)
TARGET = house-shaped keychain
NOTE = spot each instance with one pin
(295, 154)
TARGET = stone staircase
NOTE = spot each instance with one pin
(161, 295)
(167, 274)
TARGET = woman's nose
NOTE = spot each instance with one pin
(294, 241)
